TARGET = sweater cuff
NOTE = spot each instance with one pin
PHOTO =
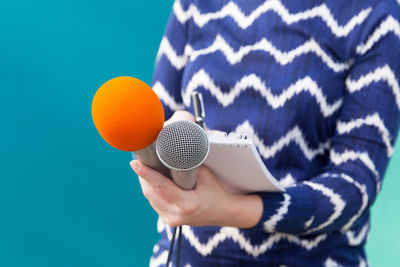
(287, 212)
(272, 201)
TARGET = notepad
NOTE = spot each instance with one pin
(235, 162)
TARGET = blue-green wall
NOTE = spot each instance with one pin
(67, 198)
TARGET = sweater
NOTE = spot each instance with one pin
(314, 83)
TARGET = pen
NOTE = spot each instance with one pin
(198, 107)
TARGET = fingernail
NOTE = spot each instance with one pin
(135, 165)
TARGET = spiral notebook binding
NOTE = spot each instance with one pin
(233, 139)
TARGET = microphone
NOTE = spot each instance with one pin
(129, 116)
(182, 146)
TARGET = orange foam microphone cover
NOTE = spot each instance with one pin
(127, 113)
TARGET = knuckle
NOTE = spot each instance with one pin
(143, 172)
(169, 222)
(146, 192)
(188, 209)
(161, 188)
(174, 222)
(202, 172)
(184, 115)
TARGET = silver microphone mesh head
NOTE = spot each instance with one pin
(182, 145)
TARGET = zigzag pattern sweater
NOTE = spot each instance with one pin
(315, 84)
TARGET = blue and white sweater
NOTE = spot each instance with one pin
(315, 83)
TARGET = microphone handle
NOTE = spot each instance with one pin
(187, 179)
(148, 156)
(184, 179)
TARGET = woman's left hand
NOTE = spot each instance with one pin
(207, 204)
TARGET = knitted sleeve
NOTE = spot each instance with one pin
(360, 148)
(170, 63)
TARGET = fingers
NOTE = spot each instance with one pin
(170, 213)
(179, 116)
(159, 204)
(205, 179)
(170, 202)
(159, 184)
(204, 175)
(179, 207)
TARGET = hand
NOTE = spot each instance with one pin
(180, 115)
(207, 204)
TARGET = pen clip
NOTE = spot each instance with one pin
(198, 106)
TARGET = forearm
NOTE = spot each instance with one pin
(328, 202)
(242, 211)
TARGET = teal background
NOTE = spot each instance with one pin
(66, 197)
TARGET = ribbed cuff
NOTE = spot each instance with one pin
(286, 212)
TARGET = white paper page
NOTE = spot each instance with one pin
(239, 167)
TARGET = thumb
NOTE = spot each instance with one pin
(206, 178)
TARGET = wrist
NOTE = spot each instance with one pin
(241, 211)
